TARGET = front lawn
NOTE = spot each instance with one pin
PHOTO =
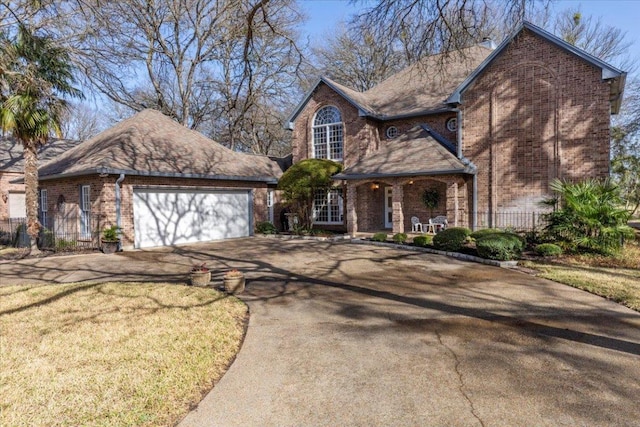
(112, 354)
(616, 278)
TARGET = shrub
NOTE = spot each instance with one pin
(266, 227)
(588, 216)
(110, 234)
(423, 240)
(451, 239)
(485, 232)
(400, 237)
(379, 237)
(548, 249)
(500, 246)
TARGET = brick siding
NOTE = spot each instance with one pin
(535, 113)
(103, 201)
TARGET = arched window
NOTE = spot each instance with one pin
(328, 134)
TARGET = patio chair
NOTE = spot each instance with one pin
(438, 223)
(416, 225)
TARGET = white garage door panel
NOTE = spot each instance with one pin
(169, 217)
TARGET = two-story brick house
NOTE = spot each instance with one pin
(487, 128)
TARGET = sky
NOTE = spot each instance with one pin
(623, 14)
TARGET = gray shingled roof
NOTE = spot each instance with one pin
(416, 152)
(437, 82)
(152, 144)
(418, 89)
(11, 152)
(424, 87)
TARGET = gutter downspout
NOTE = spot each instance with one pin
(459, 132)
(474, 194)
(118, 214)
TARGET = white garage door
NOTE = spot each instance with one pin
(168, 217)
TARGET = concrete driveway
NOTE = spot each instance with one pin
(356, 335)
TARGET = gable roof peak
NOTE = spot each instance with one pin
(609, 72)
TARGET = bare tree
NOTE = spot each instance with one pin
(357, 59)
(591, 35)
(81, 122)
(206, 63)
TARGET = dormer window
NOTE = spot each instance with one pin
(328, 134)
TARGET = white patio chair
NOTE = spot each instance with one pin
(416, 225)
(438, 223)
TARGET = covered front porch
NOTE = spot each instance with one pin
(389, 203)
(386, 188)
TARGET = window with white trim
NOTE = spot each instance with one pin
(85, 212)
(327, 207)
(43, 208)
(328, 134)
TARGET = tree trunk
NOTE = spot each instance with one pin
(31, 192)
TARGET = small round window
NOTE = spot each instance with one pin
(392, 132)
(452, 124)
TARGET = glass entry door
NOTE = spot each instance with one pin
(388, 207)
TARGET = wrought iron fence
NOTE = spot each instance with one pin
(13, 232)
(58, 233)
(517, 221)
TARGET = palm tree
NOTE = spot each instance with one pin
(35, 75)
(588, 216)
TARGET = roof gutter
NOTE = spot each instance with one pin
(347, 177)
(109, 171)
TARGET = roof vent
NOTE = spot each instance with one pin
(488, 43)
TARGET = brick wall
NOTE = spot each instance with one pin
(103, 196)
(360, 136)
(535, 114)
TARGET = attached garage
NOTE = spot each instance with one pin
(162, 184)
(165, 217)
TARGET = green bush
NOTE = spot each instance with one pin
(451, 239)
(400, 237)
(110, 234)
(500, 246)
(548, 249)
(379, 237)
(423, 240)
(485, 232)
(266, 227)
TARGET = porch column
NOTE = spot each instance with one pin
(352, 215)
(397, 197)
(452, 203)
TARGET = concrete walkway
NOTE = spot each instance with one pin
(356, 335)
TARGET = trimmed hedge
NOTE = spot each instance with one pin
(500, 246)
(266, 227)
(423, 240)
(400, 237)
(379, 237)
(548, 249)
(485, 232)
(451, 239)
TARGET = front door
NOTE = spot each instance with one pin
(388, 207)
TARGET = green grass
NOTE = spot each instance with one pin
(114, 354)
(615, 277)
